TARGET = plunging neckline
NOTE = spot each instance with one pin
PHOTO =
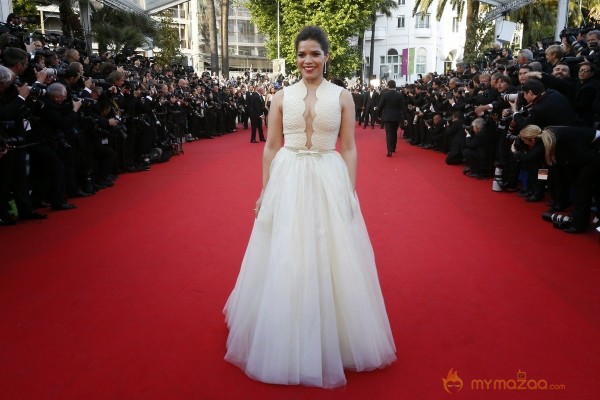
(314, 113)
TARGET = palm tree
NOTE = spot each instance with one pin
(117, 29)
(225, 38)
(71, 25)
(212, 30)
(538, 20)
(384, 7)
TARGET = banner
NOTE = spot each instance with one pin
(404, 66)
(411, 61)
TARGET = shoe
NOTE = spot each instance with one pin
(7, 221)
(557, 208)
(254, 141)
(263, 140)
(33, 215)
(389, 154)
(524, 193)
(63, 206)
(106, 183)
(80, 193)
(98, 186)
(572, 229)
(133, 168)
(466, 170)
(40, 204)
(475, 175)
(534, 198)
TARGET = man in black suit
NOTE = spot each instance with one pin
(390, 108)
(256, 110)
(245, 100)
(370, 104)
(358, 104)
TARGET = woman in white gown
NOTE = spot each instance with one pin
(307, 302)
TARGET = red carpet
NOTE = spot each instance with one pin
(122, 298)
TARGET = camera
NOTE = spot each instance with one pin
(55, 72)
(510, 98)
(556, 218)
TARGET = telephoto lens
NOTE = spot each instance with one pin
(555, 218)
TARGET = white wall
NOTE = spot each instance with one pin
(438, 41)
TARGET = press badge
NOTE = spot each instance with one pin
(543, 174)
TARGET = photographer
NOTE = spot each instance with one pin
(530, 150)
(12, 152)
(586, 89)
(477, 148)
(559, 80)
(577, 154)
(554, 55)
(544, 107)
(55, 122)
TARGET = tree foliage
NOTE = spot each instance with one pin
(481, 39)
(167, 40)
(117, 30)
(341, 19)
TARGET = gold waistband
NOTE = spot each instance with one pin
(306, 152)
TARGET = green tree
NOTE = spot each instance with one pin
(384, 7)
(116, 29)
(341, 19)
(27, 8)
(479, 41)
(167, 40)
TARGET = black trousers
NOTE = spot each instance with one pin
(391, 135)
(47, 174)
(256, 123)
(586, 187)
(13, 179)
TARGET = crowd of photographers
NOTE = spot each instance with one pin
(493, 119)
(71, 123)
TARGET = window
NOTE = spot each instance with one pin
(455, 24)
(421, 20)
(401, 3)
(421, 63)
(401, 21)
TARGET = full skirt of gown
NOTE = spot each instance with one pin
(307, 302)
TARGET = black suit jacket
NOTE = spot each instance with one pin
(390, 106)
(257, 105)
(573, 144)
(371, 101)
(551, 108)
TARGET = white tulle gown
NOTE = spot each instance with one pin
(307, 302)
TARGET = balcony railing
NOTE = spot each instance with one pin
(422, 32)
(380, 34)
(246, 38)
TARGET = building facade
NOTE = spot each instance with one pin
(407, 45)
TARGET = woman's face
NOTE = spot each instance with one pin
(310, 59)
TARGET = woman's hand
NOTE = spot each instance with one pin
(258, 204)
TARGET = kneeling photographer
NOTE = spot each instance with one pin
(533, 150)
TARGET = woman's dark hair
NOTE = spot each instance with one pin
(313, 33)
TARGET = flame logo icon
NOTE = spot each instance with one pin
(452, 383)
